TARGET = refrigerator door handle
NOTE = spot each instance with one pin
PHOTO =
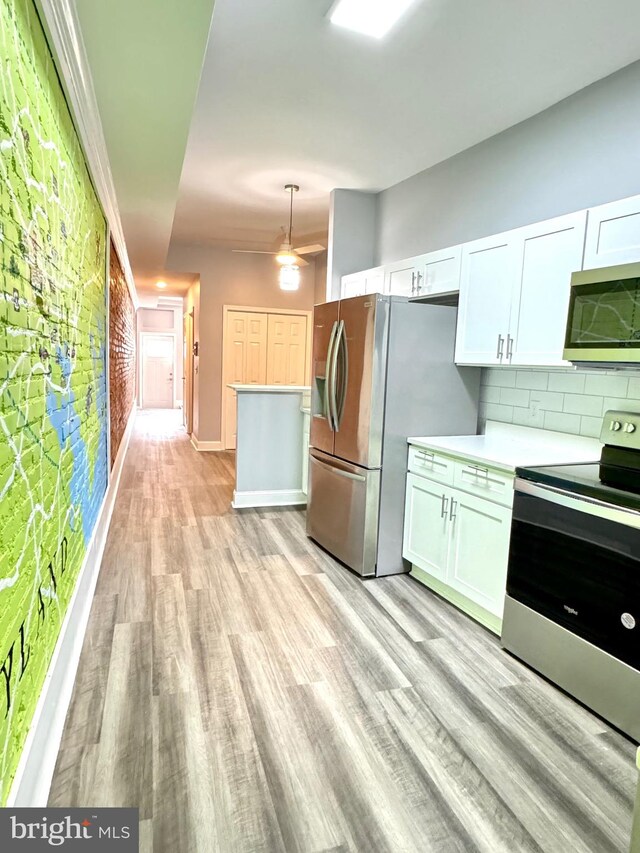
(339, 471)
(327, 377)
(333, 403)
(343, 354)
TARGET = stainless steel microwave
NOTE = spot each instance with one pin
(603, 324)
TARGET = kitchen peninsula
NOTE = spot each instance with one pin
(272, 444)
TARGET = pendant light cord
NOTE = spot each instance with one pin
(291, 219)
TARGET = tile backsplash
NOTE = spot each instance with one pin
(571, 401)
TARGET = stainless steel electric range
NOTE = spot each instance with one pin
(573, 586)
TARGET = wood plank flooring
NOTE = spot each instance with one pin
(249, 694)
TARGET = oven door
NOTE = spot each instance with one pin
(576, 561)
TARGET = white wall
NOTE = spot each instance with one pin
(581, 152)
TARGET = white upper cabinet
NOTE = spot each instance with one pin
(489, 267)
(353, 285)
(514, 293)
(550, 252)
(613, 234)
(403, 278)
(440, 272)
(359, 283)
(374, 280)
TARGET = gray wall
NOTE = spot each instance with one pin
(579, 153)
(352, 236)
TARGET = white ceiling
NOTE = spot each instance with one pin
(145, 58)
(286, 96)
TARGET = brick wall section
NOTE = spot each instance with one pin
(122, 352)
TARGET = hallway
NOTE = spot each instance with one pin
(249, 694)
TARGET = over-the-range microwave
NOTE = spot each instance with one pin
(603, 324)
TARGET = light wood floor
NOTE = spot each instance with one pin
(247, 693)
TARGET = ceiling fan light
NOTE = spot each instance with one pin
(290, 277)
(286, 257)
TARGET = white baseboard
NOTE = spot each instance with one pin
(37, 762)
(206, 445)
(290, 497)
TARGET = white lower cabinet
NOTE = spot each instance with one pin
(426, 532)
(479, 550)
(458, 544)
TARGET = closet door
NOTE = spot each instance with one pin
(245, 359)
(287, 349)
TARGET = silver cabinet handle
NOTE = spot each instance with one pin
(445, 506)
(452, 514)
(500, 347)
(418, 280)
(510, 341)
(478, 470)
(413, 283)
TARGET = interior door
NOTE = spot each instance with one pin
(157, 371)
(187, 362)
(325, 325)
(245, 360)
(357, 383)
(286, 349)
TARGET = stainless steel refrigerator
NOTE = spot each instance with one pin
(382, 371)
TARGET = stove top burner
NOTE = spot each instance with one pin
(584, 480)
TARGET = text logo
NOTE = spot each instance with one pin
(86, 830)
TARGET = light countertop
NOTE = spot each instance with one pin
(269, 389)
(508, 447)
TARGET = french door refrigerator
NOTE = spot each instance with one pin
(382, 371)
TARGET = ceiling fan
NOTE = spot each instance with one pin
(286, 254)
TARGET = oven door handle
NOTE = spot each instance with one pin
(580, 503)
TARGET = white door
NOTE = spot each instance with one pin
(613, 234)
(489, 269)
(401, 279)
(551, 252)
(426, 526)
(441, 271)
(286, 349)
(157, 371)
(479, 550)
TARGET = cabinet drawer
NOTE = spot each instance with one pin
(431, 464)
(484, 481)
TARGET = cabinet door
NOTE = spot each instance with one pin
(401, 279)
(374, 281)
(551, 251)
(441, 272)
(613, 234)
(479, 550)
(353, 285)
(489, 268)
(426, 526)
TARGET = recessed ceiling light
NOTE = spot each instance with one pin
(161, 284)
(371, 17)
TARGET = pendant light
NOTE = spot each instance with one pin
(289, 270)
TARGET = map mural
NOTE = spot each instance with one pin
(53, 396)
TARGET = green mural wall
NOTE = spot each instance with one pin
(53, 397)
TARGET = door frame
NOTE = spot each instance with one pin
(187, 369)
(143, 337)
(290, 312)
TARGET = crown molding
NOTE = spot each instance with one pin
(62, 27)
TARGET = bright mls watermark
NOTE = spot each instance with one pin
(82, 830)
